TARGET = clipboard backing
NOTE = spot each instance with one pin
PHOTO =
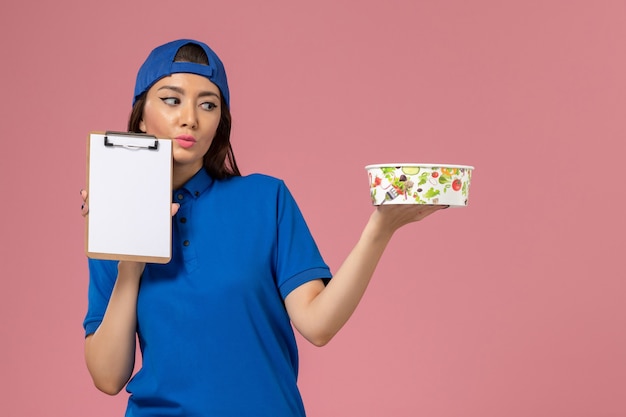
(129, 193)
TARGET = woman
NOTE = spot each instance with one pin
(214, 324)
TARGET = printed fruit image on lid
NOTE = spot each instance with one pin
(411, 170)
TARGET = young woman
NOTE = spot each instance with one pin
(215, 324)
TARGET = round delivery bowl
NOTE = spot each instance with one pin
(417, 183)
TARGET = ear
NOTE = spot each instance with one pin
(142, 126)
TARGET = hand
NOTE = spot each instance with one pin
(394, 216)
(175, 207)
(84, 209)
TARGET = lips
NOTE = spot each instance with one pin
(185, 141)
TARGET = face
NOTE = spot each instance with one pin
(186, 108)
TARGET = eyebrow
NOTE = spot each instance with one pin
(181, 91)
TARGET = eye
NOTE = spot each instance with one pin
(170, 101)
(208, 105)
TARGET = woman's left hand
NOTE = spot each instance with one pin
(394, 216)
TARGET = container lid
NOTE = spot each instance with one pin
(421, 165)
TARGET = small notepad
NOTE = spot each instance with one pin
(129, 186)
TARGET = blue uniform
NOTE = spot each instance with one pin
(215, 337)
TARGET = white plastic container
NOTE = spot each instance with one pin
(417, 183)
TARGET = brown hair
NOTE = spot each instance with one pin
(219, 161)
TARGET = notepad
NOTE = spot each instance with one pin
(129, 193)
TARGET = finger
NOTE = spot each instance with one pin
(84, 208)
(175, 207)
(402, 214)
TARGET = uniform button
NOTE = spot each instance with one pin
(186, 243)
(180, 196)
(183, 220)
(197, 193)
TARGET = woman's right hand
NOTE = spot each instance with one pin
(124, 268)
(84, 209)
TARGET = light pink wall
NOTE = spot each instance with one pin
(513, 306)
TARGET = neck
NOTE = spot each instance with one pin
(182, 174)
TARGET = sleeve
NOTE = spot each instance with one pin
(102, 276)
(298, 259)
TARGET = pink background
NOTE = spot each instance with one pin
(513, 306)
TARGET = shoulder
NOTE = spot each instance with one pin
(261, 191)
(256, 178)
(254, 183)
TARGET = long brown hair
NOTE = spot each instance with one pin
(219, 161)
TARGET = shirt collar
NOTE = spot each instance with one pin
(199, 183)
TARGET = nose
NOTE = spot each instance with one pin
(188, 115)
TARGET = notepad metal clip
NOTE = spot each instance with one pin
(125, 144)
